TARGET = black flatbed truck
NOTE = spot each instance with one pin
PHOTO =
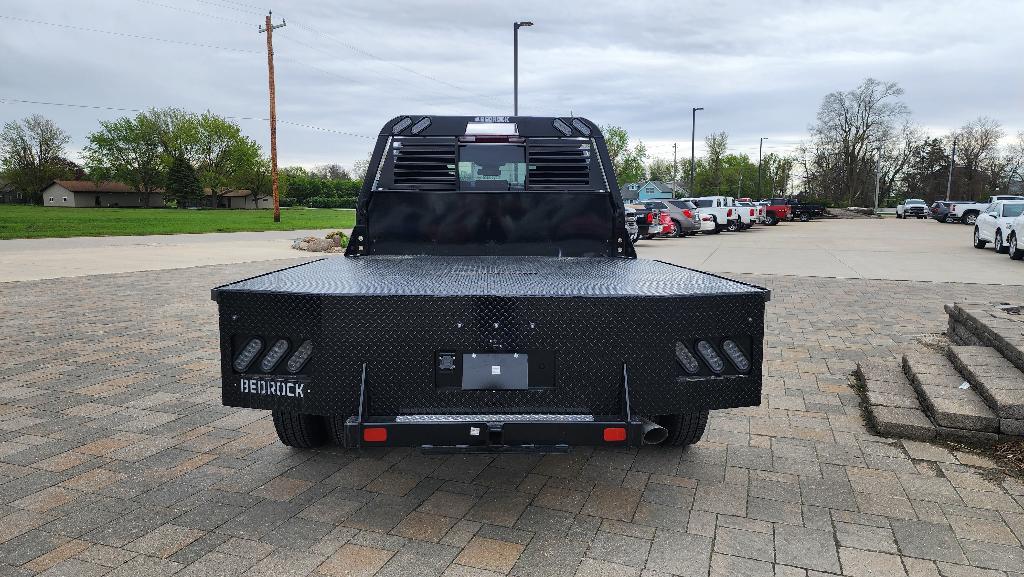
(484, 304)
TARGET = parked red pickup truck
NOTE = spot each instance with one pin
(776, 210)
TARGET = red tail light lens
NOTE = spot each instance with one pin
(751, 212)
(375, 434)
(728, 212)
(650, 217)
(614, 434)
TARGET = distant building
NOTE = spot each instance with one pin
(651, 190)
(8, 194)
(89, 194)
(86, 193)
(241, 199)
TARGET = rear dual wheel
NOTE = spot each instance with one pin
(684, 429)
(301, 431)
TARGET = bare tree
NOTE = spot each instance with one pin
(977, 149)
(332, 172)
(850, 127)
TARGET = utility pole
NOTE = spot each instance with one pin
(515, 65)
(739, 188)
(674, 163)
(693, 135)
(269, 29)
(760, 147)
(949, 180)
(878, 173)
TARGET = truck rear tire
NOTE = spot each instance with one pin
(804, 217)
(299, 430)
(969, 218)
(771, 220)
(684, 429)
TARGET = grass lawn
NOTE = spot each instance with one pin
(21, 221)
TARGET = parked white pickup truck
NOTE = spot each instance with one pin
(723, 211)
(912, 207)
(967, 212)
(993, 225)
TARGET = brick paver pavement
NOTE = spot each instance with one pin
(117, 458)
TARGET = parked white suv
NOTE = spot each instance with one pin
(723, 211)
(993, 225)
(1015, 238)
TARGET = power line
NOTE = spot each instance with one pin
(7, 100)
(128, 35)
(366, 53)
(196, 12)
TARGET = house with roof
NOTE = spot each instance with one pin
(649, 190)
(87, 193)
(108, 194)
(9, 194)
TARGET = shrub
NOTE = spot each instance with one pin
(331, 202)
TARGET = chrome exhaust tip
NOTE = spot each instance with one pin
(653, 433)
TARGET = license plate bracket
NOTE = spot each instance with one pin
(495, 371)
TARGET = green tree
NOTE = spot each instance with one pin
(182, 182)
(129, 151)
(32, 155)
(629, 163)
(660, 169)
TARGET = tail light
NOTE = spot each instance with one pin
(650, 217)
(728, 212)
(375, 434)
(687, 213)
(751, 212)
(614, 434)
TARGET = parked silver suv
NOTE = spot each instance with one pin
(684, 215)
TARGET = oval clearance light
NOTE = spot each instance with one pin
(581, 126)
(736, 356)
(274, 355)
(710, 356)
(562, 127)
(401, 125)
(420, 125)
(686, 359)
(248, 354)
(300, 357)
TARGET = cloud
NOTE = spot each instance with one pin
(757, 69)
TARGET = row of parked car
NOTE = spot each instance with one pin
(711, 215)
(999, 221)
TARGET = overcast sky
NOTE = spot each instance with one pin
(758, 69)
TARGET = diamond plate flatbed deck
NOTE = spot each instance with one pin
(449, 276)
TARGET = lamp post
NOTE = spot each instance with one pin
(515, 65)
(760, 147)
(693, 145)
(949, 179)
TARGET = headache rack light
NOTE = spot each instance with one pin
(492, 128)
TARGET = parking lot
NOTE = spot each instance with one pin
(117, 458)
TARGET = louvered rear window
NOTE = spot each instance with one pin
(556, 163)
(423, 164)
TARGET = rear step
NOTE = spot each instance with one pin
(959, 412)
(998, 381)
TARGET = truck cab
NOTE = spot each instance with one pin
(484, 304)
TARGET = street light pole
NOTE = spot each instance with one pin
(693, 145)
(760, 146)
(949, 180)
(515, 65)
